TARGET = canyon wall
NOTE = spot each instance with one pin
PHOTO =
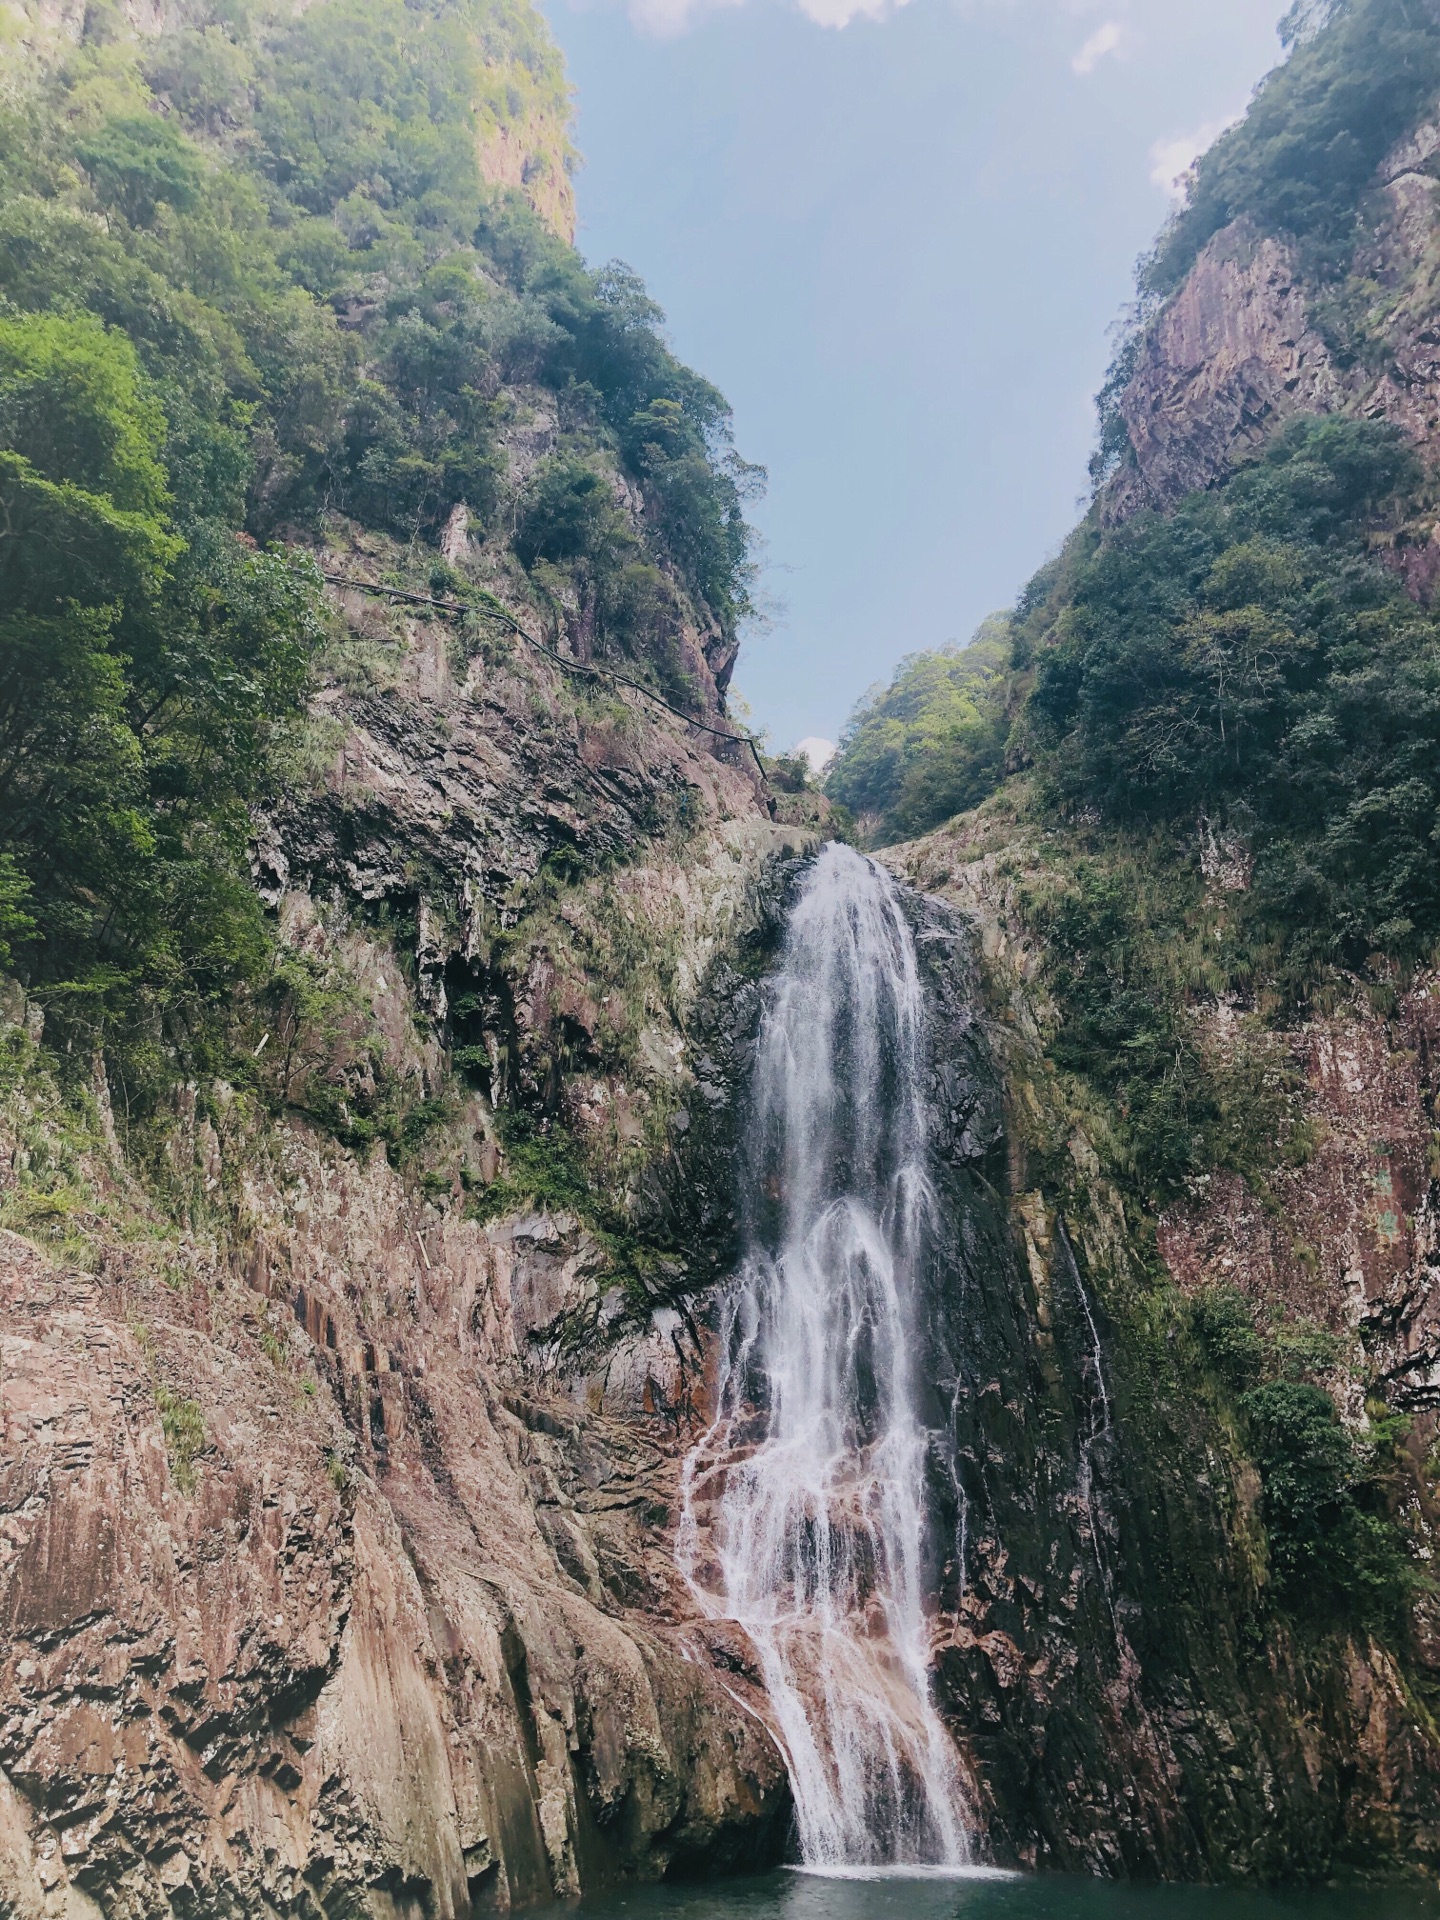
(343, 1391)
(1251, 338)
(336, 1569)
(1105, 1657)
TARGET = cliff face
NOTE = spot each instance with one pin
(1127, 1700)
(341, 1397)
(337, 1569)
(345, 1371)
(1250, 339)
(402, 1636)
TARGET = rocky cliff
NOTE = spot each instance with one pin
(342, 1388)
(1255, 333)
(337, 1571)
(1106, 1653)
(367, 1139)
(1198, 1257)
(339, 1492)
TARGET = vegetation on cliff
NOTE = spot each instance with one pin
(1219, 727)
(257, 295)
(1302, 162)
(930, 744)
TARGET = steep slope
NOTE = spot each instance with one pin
(388, 903)
(384, 886)
(1204, 885)
(1300, 278)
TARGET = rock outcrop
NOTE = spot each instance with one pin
(336, 1570)
(1104, 1657)
(1233, 352)
(391, 1626)
(1248, 340)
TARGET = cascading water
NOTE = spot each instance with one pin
(804, 1503)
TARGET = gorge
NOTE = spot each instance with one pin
(561, 1324)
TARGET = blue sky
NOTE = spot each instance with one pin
(896, 238)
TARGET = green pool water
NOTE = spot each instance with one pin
(792, 1895)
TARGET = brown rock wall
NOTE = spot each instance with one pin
(1242, 345)
(454, 1682)
(1231, 353)
(1349, 1239)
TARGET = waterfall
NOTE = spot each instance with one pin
(803, 1505)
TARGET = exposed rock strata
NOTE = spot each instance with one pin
(404, 1637)
(412, 1641)
(1244, 343)
(1231, 353)
(1105, 1662)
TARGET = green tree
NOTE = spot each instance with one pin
(139, 162)
(1246, 662)
(932, 743)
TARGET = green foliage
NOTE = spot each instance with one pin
(321, 1057)
(17, 927)
(1225, 1327)
(1302, 161)
(1119, 960)
(1244, 662)
(368, 112)
(932, 743)
(74, 406)
(141, 681)
(1335, 1554)
(83, 499)
(250, 278)
(138, 163)
(569, 513)
(546, 1168)
(543, 1169)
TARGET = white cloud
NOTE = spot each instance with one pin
(816, 753)
(665, 18)
(839, 13)
(1104, 40)
(1171, 159)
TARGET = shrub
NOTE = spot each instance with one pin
(1225, 1328)
(1335, 1554)
(183, 1426)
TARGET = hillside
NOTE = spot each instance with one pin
(365, 559)
(391, 913)
(1204, 862)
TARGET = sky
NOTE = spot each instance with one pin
(896, 237)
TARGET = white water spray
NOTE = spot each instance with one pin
(803, 1514)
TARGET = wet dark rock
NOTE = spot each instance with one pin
(1124, 1706)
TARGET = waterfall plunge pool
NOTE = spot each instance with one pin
(975, 1894)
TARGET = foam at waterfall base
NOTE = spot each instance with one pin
(905, 1873)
